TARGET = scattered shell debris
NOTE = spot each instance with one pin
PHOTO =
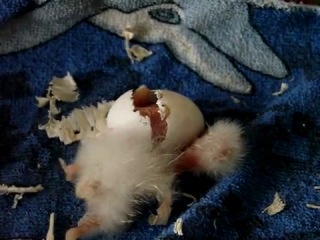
(50, 233)
(65, 89)
(42, 101)
(80, 123)
(63, 164)
(276, 206)
(53, 107)
(139, 53)
(16, 199)
(86, 122)
(313, 206)
(18, 191)
(235, 100)
(4, 189)
(135, 52)
(283, 88)
(178, 227)
(60, 89)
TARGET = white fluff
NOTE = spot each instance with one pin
(116, 168)
(220, 150)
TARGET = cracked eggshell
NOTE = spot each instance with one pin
(184, 119)
(122, 115)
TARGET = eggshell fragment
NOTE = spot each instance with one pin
(123, 116)
(164, 116)
(185, 120)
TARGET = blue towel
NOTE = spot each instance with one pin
(229, 56)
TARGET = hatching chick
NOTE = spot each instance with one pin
(116, 171)
(217, 152)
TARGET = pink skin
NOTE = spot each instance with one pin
(71, 171)
(218, 152)
(163, 212)
(86, 227)
(189, 161)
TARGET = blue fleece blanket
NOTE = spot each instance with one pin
(229, 56)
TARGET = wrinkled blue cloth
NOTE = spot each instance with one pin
(228, 56)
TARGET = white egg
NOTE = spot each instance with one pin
(122, 116)
(184, 120)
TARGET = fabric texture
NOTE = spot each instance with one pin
(229, 56)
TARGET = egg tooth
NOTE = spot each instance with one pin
(217, 153)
